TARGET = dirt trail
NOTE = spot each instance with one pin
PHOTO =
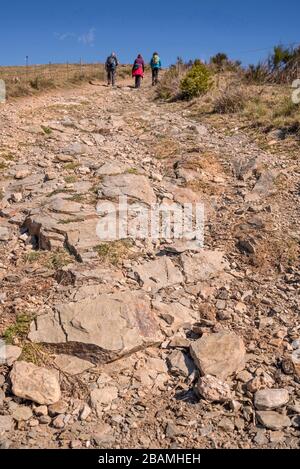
(132, 325)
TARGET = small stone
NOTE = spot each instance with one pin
(273, 420)
(40, 410)
(180, 363)
(72, 365)
(11, 354)
(205, 431)
(296, 344)
(6, 423)
(22, 413)
(59, 421)
(83, 170)
(2, 397)
(76, 444)
(4, 233)
(179, 342)
(260, 438)
(296, 421)
(226, 424)
(16, 197)
(103, 380)
(296, 361)
(268, 399)
(35, 383)
(34, 423)
(58, 408)
(288, 366)
(244, 376)
(221, 304)
(86, 411)
(276, 437)
(240, 308)
(214, 390)
(247, 246)
(172, 430)
(239, 423)
(22, 174)
(220, 355)
(4, 444)
(235, 406)
(104, 396)
(50, 176)
(24, 237)
(260, 382)
(103, 434)
(45, 419)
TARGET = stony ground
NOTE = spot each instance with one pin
(143, 343)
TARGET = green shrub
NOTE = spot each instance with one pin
(197, 81)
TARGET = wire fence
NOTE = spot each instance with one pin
(29, 74)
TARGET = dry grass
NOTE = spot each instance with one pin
(169, 86)
(258, 108)
(23, 81)
(230, 101)
(165, 148)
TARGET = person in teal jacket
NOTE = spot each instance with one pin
(155, 67)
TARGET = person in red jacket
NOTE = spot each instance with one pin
(138, 70)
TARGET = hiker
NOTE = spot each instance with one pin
(155, 67)
(138, 70)
(111, 67)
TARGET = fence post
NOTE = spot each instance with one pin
(27, 60)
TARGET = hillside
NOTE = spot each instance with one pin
(144, 343)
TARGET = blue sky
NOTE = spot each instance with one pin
(65, 30)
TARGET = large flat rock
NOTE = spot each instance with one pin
(269, 399)
(158, 274)
(176, 315)
(100, 329)
(273, 420)
(203, 266)
(61, 222)
(134, 186)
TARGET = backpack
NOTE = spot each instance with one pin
(155, 60)
(111, 62)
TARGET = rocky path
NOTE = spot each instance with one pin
(144, 342)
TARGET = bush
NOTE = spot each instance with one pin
(219, 59)
(196, 82)
(256, 73)
(168, 87)
(286, 108)
(41, 83)
(229, 102)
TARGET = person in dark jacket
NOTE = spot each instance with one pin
(155, 67)
(138, 70)
(111, 65)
